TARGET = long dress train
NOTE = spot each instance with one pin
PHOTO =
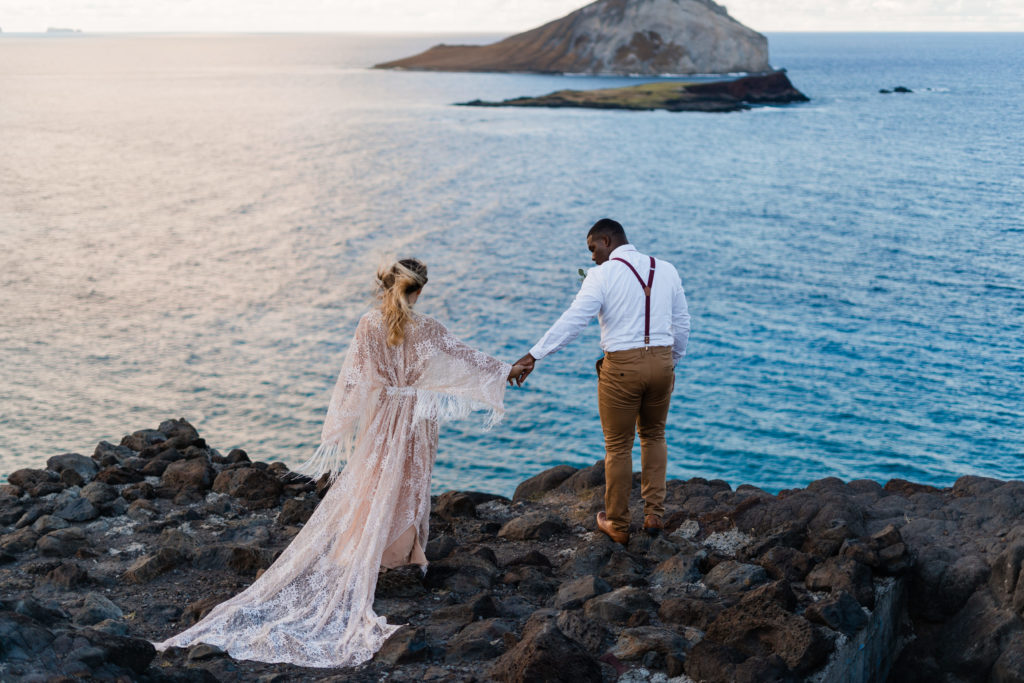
(314, 605)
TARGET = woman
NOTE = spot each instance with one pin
(403, 375)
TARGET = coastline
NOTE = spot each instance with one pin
(836, 581)
(722, 96)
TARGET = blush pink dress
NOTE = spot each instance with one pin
(314, 605)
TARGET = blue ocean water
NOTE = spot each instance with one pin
(190, 224)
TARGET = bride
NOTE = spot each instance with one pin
(403, 375)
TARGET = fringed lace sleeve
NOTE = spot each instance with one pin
(457, 378)
(349, 410)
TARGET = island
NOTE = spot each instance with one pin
(621, 37)
(715, 96)
(850, 581)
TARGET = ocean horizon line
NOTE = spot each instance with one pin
(80, 33)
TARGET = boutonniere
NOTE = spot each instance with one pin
(583, 276)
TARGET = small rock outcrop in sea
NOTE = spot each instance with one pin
(625, 37)
(716, 96)
(849, 581)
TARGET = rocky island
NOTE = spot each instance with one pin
(623, 37)
(839, 581)
(716, 96)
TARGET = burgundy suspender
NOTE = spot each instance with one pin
(647, 295)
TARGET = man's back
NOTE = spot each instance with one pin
(615, 293)
(622, 313)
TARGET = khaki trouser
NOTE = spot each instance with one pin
(633, 392)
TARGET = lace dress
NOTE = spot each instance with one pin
(314, 605)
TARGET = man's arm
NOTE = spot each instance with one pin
(584, 308)
(680, 322)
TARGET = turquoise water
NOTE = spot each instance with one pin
(191, 223)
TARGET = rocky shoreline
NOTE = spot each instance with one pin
(100, 553)
(738, 94)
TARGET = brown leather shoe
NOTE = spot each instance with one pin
(604, 525)
(653, 523)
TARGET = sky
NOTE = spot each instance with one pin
(484, 16)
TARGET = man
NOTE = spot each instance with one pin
(644, 329)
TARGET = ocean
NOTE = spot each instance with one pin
(190, 224)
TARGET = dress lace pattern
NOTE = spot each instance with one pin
(314, 605)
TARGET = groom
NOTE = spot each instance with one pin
(644, 328)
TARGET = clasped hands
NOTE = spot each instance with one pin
(521, 369)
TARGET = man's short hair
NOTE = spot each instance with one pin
(607, 227)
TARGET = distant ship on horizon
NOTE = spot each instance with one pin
(54, 29)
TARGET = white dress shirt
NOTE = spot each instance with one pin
(612, 292)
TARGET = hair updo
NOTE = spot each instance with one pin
(395, 283)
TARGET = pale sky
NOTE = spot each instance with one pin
(484, 16)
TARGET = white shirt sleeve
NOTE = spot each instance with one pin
(680, 321)
(584, 308)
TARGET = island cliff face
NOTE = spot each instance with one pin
(623, 37)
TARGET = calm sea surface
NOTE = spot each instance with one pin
(189, 227)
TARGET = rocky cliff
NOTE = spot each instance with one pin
(851, 581)
(615, 37)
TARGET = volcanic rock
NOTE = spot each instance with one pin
(26, 478)
(454, 504)
(586, 478)
(843, 574)
(678, 569)
(532, 526)
(19, 541)
(47, 523)
(691, 610)
(618, 605)
(634, 643)
(732, 577)
(540, 484)
(241, 559)
(61, 542)
(85, 467)
(107, 454)
(95, 609)
(479, 640)
(839, 611)
(296, 511)
(254, 487)
(544, 653)
(572, 594)
(759, 631)
(143, 438)
(142, 490)
(67, 575)
(151, 566)
(439, 547)
(461, 573)
(77, 510)
(116, 476)
(405, 646)
(184, 474)
(956, 555)
(98, 493)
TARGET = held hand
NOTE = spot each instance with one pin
(527, 362)
(517, 374)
